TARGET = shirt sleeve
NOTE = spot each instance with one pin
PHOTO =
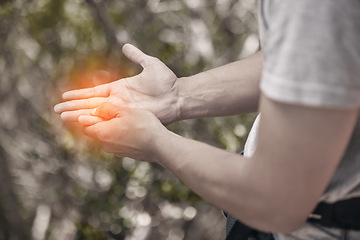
(312, 52)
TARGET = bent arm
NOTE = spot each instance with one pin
(275, 190)
(227, 90)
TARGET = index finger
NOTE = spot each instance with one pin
(98, 91)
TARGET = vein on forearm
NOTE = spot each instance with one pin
(227, 90)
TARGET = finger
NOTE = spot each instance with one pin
(100, 131)
(107, 111)
(135, 54)
(93, 130)
(98, 91)
(87, 120)
(79, 104)
(72, 116)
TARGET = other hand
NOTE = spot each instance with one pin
(124, 132)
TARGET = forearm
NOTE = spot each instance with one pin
(227, 180)
(280, 184)
(227, 90)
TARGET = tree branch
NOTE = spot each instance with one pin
(9, 201)
(104, 21)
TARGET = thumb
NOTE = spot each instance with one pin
(106, 111)
(135, 54)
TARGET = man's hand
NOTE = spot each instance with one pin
(123, 131)
(154, 89)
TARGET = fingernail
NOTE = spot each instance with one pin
(81, 119)
(64, 95)
(56, 108)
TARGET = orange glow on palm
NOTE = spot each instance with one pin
(89, 73)
(91, 78)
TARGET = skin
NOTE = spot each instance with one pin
(141, 91)
(274, 190)
(159, 90)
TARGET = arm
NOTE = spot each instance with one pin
(158, 90)
(227, 90)
(275, 190)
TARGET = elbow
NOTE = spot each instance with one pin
(278, 220)
(289, 216)
(288, 224)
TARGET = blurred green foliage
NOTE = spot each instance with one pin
(61, 184)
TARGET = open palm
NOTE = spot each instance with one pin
(154, 89)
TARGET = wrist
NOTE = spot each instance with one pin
(173, 105)
(180, 99)
(156, 144)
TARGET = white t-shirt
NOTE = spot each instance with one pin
(312, 57)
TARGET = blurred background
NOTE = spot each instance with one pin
(57, 184)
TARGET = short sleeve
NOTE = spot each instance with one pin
(312, 52)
